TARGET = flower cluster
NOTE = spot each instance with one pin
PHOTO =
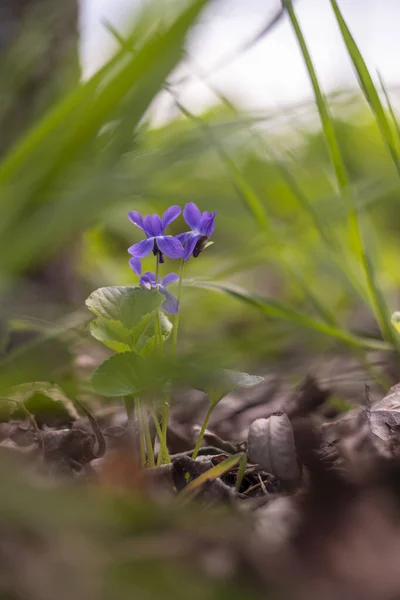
(184, 245)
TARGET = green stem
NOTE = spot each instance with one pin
(177, 316)
(163, 455)
(202, 431)
(158, 331)
(129, 403)
(141, 435)
(165, 412)
(147, 436)
(165, 415)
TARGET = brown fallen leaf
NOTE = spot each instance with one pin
(271, 445)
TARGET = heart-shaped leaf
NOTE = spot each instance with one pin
(148, 341)
(124, 374)
(126, 305)
(141, 339)
(125, 316)
(229, 381)
(112, 337)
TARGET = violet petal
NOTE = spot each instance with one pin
(152, 225)
(171, 304)
(170, 215)
(207, 224)
(191, 242)
(149, 278)
(142, 249)
(192, 215)
(170, 246)
(135, 265)
(136, 218)
(170, 278)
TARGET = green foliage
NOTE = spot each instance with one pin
(43, 359)
(125, 374)
(61, 174)
(126, 317)
(45, 401)
(229, 381)
(356, 240)
(367, 85)
(276, 309)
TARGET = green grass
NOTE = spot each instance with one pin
(356, 238)
(306, 254)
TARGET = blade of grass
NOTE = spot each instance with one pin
(356, 241)
(367, 86)
(326, 119)
(279, 310)
(194, 487)
(241, 472)
(391, 110)
(257, 209)
(325, 232)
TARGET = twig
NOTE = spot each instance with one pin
(100, 441)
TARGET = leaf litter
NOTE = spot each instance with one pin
(315, 513)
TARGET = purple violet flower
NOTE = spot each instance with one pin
(202, 225)
(156, 241)
(148, 280)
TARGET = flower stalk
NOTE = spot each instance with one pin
(202, 431)
(177, 317)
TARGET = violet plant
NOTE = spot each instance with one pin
(134, 321)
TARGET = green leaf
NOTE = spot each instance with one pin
(126, 317)
(42, 359)
(125, 374)
(45, 400)
(126, 305)
(118, 340)
(238, 379)
(229, 381)
(148, 341)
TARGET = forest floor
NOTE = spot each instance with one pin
(315, 512)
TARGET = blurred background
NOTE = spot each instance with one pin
(271, 73)
(280, 121)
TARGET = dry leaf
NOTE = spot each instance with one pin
(271, 445)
